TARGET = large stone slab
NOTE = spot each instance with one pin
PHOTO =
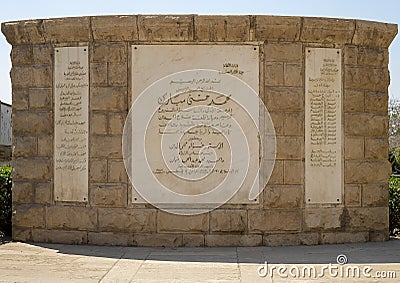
(323, 125)
(193, 89)
(71, 127)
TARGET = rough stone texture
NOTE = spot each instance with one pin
(193, 240)
(25, 146)
(354, 147)
(109, 239)
(157, 240)
(376, 148)
(365, 124)
(274, 220)
(40, 98)
(293, 172)
(372, 57)
(116, 171)
(20, 98)
(281, 217)
(352, 195)
(283, 52)
(323, 30)
(98, 74)
(293, 75)
(228, 221)
(45, 146)
(353, 101)
(378, 236)
(277, 173)
(71, 218)
(106, 146)
(373, 79)
(114, 195)
(22, 192)
(376, 102)
(323, 218)
(108, 52)
(117, 74)
(26, 123)
(42, 54)
(124, 28)
(172, 223)
(289, 147)
(21, 55)
(277, 118)
(276, 28)
(274, 240)
(27, 215)
(98, 123)
(283, 196)
(44, 193)
(344, 237)
(165, 28)
(233, 240)
(32, 169)
(127, 220)
(23, 32)
(224, 28)
(374, 33)
(67, 30)
(98, 171)
(116, 123)
(375, 194)
(60, 236)
(367, 171)
(283, 98)
(21, 233)
(274, 74)
(108, 98)
(369, 218)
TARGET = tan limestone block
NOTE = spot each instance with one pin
(222, 28)
(28, 215)
(375, 194)
(114, 195)
(283, 196)
(228, 221)
(114, 28)
(274, 220)
(71, 218)
(173, 223)
(129, 220)
(165, 27)
(277, 28)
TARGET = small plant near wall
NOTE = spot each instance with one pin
(5, 200)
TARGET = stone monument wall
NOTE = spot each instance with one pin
(324, 83)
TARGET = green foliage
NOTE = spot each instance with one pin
(394, 205)
(5, 199)
(394, 123)
(394, 158)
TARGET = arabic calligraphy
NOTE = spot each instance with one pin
(71, 124)
(201, 118)
(323, 101)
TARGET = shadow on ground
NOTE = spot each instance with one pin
(363, 253)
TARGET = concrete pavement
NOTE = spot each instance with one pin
(366, 262)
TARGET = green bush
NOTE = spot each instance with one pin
(394, 205)
(5, 199)
(394, 159)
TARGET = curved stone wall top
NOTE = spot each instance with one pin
(200, 28)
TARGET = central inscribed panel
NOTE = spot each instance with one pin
(200, 134)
